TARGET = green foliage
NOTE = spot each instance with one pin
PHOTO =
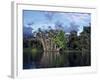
(85, 39)
(80, 42)
(60, 39)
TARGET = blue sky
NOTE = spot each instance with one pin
(67, 21)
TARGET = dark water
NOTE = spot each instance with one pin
(53, 59)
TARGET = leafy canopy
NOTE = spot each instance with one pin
(60, 39)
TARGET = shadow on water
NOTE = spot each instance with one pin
(52, 59)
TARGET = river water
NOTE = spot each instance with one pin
(53, 59)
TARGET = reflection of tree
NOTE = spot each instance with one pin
(50, 59)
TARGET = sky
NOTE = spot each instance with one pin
(67, 21)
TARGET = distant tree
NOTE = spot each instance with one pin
(73, 42)
(85, 38)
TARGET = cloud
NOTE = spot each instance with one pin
(75, 21)
(73, 27)
(84, 19)
(70, 21)
(78, 18)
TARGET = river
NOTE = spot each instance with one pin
(53, 59)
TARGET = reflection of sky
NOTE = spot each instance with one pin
(43, 19)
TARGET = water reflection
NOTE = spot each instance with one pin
(50, 59)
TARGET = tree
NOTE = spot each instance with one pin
(85, 38)
(73, 42)
(59, 39)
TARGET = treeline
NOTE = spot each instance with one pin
(71, 41)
